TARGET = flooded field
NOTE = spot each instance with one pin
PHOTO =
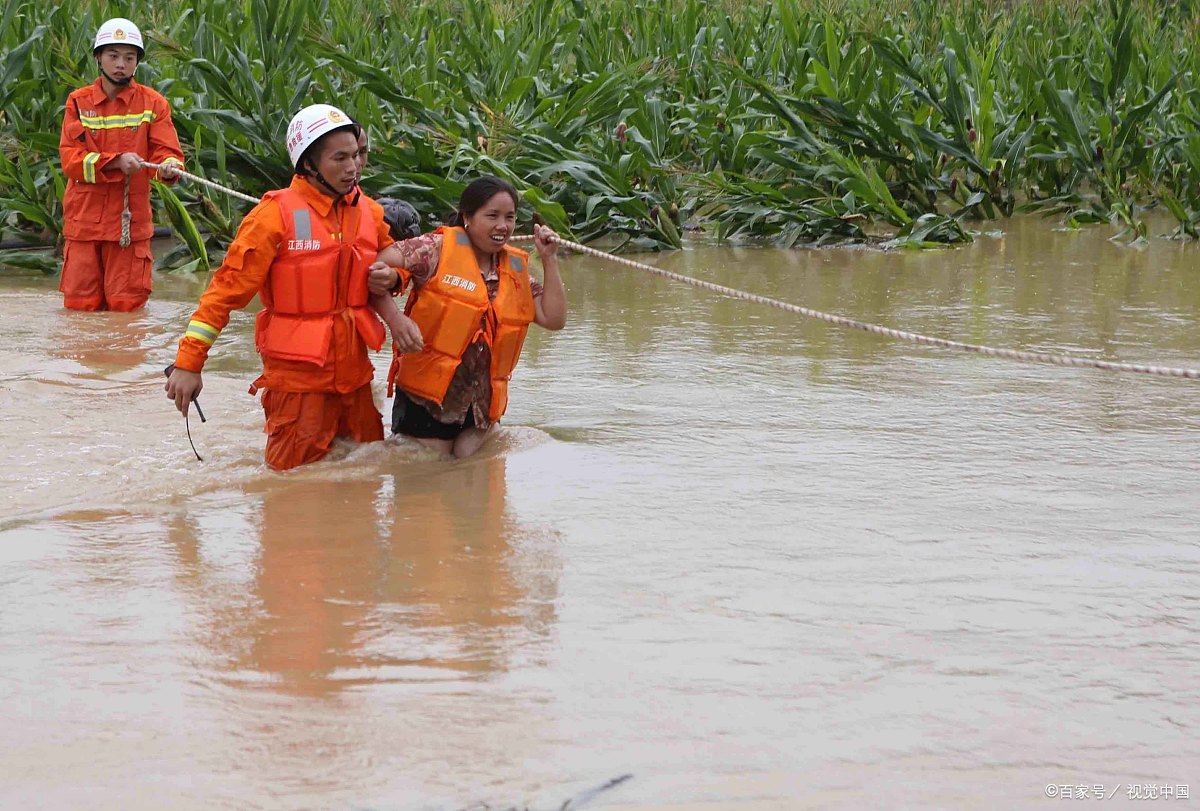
(752, 560)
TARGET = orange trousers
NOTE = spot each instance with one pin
(105, 276)
(301, 426)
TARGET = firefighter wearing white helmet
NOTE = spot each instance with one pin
(111, 127)
(119, 31)
(309, 126)
(305, 251)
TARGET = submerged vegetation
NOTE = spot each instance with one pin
(793, 120)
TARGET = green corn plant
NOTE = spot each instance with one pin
(791, 120)
(1097, 130)
(32, 192)
(184, 226)
(788, 213)
(29, 263)
(930, 231)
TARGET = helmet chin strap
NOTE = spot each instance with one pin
(313, 173)
(117, 82)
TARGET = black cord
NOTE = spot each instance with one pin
(187, 421)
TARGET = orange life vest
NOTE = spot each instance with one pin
(453, 311)
(316, 276)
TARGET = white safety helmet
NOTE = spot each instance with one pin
(310, 124)
(119, 31)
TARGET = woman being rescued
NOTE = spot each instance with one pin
(473, 300)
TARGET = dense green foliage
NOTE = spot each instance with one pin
(790, 119)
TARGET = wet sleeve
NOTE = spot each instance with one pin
(82, 159)
(235, 283)
(164, 141)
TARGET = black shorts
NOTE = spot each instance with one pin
(413, 419)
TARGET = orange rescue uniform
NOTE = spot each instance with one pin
(99, 274)
(307, 260)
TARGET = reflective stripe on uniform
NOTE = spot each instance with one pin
(302, 224)
(202, 332)
(89, 167)
(116, 122)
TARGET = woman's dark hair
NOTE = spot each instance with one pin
(478, 192)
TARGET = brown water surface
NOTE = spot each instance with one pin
(753, 560)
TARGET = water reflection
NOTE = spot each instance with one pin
(453, 567)
(412, 576)
(104, 343)
(315, 582)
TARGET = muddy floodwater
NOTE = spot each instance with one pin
(752, 560)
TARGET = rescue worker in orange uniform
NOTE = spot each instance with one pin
(109, 128)
(305, 251)
(473, 301)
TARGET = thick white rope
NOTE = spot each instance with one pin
(202, 181)
(1013, 354)
(990, 351)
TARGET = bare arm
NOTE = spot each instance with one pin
(405, 332)
(388, 273)
(412, 260)
(551, 306)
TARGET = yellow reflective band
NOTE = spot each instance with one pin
(116, 122)
(89, 167)
(202, 332)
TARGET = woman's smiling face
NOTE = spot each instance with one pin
(491, 225)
